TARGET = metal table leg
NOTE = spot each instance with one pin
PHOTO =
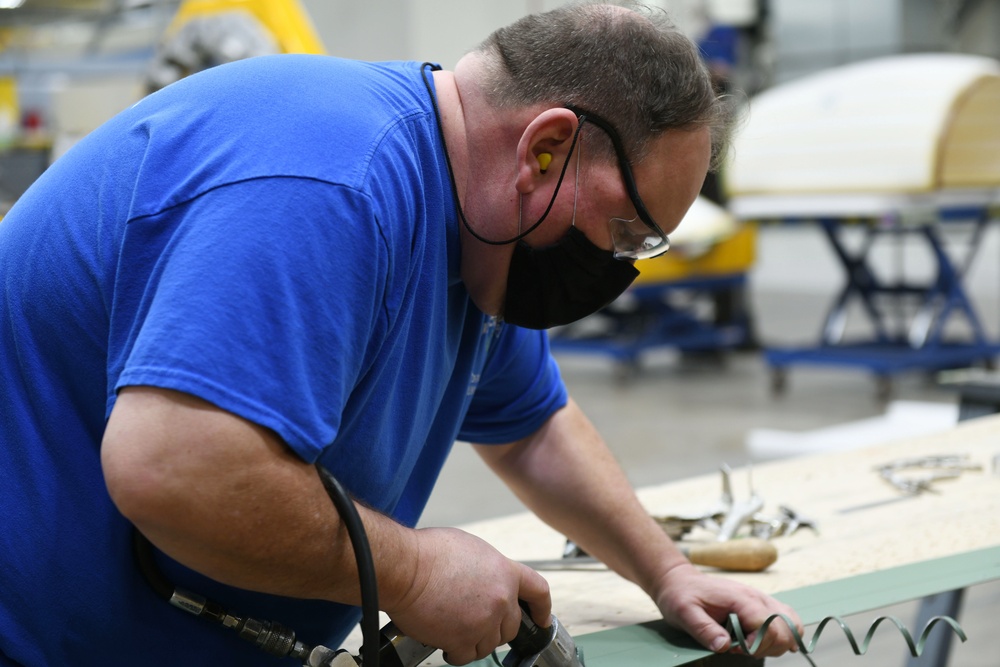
(938, 644)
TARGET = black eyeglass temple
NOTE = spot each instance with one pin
(623, 162)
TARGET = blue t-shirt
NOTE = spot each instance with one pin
(277, 236)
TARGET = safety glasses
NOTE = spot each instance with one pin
(640, 237)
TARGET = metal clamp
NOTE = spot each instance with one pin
(940, 467)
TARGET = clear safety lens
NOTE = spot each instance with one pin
(633, 239)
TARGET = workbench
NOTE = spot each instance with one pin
(910, 321)
(874, 547)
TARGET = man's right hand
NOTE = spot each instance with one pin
(465, 593)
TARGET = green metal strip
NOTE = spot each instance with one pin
(655, 643)
(652, 643)
(874, 590)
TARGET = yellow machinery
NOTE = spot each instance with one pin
(733, 255)
(10, 112)
(286, 20)
(205, 33)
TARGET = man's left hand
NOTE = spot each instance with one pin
(699, 604)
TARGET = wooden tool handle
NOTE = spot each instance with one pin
(748, 554)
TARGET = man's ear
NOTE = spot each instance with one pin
(543, 148)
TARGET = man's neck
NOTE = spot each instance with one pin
(449, 104)
(467, 124)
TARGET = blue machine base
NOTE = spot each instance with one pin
(655, 323)
(885, 358)
(627, 349)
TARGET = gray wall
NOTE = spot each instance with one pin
(437, 30)
(810, 35)
(813, 35)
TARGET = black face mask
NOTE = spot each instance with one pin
(563, 282)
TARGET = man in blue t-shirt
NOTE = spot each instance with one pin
(295, 262)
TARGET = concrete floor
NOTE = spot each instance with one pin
(680, 417)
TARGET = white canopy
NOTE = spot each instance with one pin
(901, 125)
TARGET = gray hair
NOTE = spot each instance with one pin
(633, 68)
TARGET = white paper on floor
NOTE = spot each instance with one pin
(902, 419)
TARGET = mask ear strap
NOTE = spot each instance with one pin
(451, 172)
(576, 185)
(552, 201)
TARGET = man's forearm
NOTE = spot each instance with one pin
(568, 477)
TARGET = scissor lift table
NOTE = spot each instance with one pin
(908, 320)
(903, 146)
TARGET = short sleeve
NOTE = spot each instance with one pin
(263, 297)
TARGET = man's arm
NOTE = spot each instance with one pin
(565, 473)
(227, 498)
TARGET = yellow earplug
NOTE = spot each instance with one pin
(544, 160)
